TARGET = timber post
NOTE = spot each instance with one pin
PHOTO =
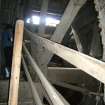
(16, 62)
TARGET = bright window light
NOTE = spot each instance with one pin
(36, 20)
(52, 21)
(49, 21)
(28, 20)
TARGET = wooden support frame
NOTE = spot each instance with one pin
(77, 40)
(54, 95)
(92, 66)
(100, 7)
(76, 88)
(43, 14)
(69, 15)
(62, 68)
(15, 73)
(35, 94)
(41, 31)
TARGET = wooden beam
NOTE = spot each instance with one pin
(76, 88)
(100, 7)
(42, 27)
(34, 91)
(90, 65)
(53, 94)
(43, 14)
(69, 15)
(62, 68)
(77, 40)
(16, 62)
(69, 86)
(71, 76)
(41, 91)
(96, 44)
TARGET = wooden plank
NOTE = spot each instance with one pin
(72, 76)
(35, 94)
(54, 95)
(16, 62)
(96, 44)
(43, 14)
(70, 13)
(42, 90)
(77, 40)
(42, 27)
(67, 75)
(76, 88)
(92, 66)
(62, 68)
(100, 7)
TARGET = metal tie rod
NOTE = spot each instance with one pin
(53, 94)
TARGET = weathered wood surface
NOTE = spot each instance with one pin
(92, 66)
(41, 31)
(34, 91)
(96, 44)
(25, 94)
(23, 97)
(72, 76)
(77, 40)
(16, 62)
(54, 95)
(62, 68)
(76, 88)
(100, 7)
(69, 15)
(43, 15)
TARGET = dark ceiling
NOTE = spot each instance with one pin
(9, 8)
